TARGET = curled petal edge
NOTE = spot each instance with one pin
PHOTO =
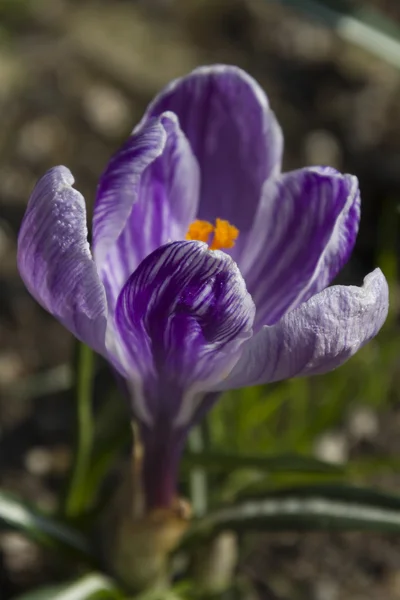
(54, 258)
(315, 338)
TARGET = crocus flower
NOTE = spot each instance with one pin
(208, 268)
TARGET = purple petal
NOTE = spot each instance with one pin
(304, 232)
(235, 138)
(182, 317)
(54, 258)
(317, 337)
(162, 205)
(119, 186)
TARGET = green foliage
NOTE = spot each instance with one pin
(42, 528)
(360, 25)
(90, 587)
(310, 508)
(76, 494)
(291, 415)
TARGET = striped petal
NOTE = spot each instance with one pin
(234, 136)
(182, 318)
(317, 337)
(304, 233)
(119, 186)
(162, 201)
(54, 258)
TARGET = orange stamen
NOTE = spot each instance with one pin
(200, 231)
(225, 234)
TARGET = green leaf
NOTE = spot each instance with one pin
(297, 463)
(338, 491)
(113, 437)
(266, 485)
(47, 593)
(75, 500)
(373, 465)
(162, 595)
(324, 507)
(365, 27)
(89, 587)
(43, 529)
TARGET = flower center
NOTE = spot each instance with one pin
(224, 236)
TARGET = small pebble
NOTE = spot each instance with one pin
(363, 423)
(322, 148)
(332, 447)
(326, 589)
(38, 461)
(11, 368)
(39, 139)
(107, 110)
(61, 459)
(18, 552)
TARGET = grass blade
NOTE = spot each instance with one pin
(221, 461)
(75, 500)
(43, 529)
(340, 508)
(90, 587)
(364, 27)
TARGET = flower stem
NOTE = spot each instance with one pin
(76, 497)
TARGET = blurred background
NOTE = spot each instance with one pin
(75, 77)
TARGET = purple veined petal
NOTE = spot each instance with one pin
(317, 337)
(54, 258)
(304, 232)
(119, 186)
(163, 204)
(234, 136)
(182, 318)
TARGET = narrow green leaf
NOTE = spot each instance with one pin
(47, 593)
(105, 455)
(43, 529)
(338, 491)
(219, 461)
(75, 500)
(373, 465)
(161, 595)
(266, 485)
(89, 587)
(342, 508)
(365, 27)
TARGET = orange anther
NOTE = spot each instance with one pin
(224, 236)
(200, 231)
